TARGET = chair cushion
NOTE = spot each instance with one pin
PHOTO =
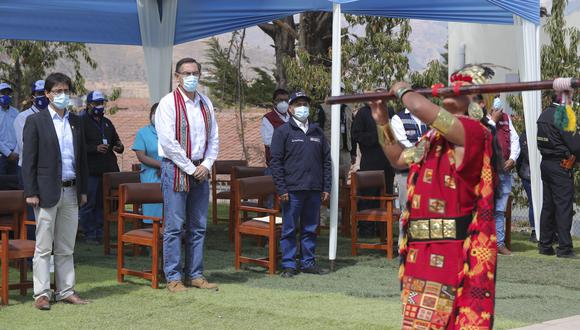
(379, 212)
(20, 248)
(266, 219)
(144, 233)
(224, 195)
(254, 224)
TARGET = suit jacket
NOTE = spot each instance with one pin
(42, 164)
(100, 163)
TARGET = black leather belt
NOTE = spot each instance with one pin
(438, 229)
(69, 183)
(197, 162)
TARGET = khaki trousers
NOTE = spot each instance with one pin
(56, 229)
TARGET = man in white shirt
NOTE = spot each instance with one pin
(54, 173)
(509, 141)
(8, 148)
(274, 119)
(188, 143)
(39, 102)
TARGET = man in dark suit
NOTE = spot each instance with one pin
(54, 169)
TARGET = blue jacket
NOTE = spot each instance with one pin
(300, 161)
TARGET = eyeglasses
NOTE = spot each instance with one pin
(58, 91)
(187, 74)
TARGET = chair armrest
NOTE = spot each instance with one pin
(5, 228)
(125, 215)
(258, 209)
(377, 198)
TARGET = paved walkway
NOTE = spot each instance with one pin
(569, 323)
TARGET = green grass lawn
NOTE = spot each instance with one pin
(362, 294)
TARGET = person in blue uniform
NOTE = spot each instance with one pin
(145, 147)
(301, 168)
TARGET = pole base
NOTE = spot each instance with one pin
(332, 266)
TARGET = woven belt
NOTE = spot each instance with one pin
(439, 229)
(69, 183)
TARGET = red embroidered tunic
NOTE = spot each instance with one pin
(449, 284)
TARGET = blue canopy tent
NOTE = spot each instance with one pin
(157, 25)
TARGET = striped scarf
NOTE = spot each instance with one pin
(182, 135)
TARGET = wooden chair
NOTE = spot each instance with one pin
(240, 172)
(268, 227)
(19, 250)
(138, 194)
(222, 168)
(508, 223)
(385, 214)
(111, 182)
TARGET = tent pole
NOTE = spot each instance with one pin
(529, 54)
(335, 132)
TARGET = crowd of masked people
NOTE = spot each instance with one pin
(59, 158)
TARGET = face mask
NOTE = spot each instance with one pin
(61, 101)
(282, 107)
(301, 113)
(98, 111)
(41, 102)
(5, 100)
(190, 83)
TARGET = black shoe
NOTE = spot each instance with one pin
(570, 255)
(533, 238)
(547, 252)
(289, 272)
(315, 270)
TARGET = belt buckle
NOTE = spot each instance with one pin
(436, 228)
(419, 229)
(450, 229)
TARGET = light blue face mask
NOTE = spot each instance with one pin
(190, 83)
(301, 113)
(61, 101)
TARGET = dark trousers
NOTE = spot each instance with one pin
(91, 214)
(302, 211)
(8, 167)
(557, 209)
(528, 188)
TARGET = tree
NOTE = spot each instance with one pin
(313, 35)
(223, 73)
(378, 57)
(435, 73)
(259, 93)
(23, 62)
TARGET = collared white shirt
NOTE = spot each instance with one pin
(399, 129)
(7, 136)
(267, 130)
(303, 126)
(65, 141)
(165, 125)
(515, 148)
(19, 128)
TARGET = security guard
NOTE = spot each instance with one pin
(560, 151)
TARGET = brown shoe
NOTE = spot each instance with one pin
(42, 303)
(176, 286)
(201, 283)
(504, 251)
(74, 299)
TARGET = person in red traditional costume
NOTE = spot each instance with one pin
(449, 249)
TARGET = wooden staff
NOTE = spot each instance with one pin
(453, 91)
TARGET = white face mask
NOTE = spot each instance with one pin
(61, 101)
(282, 107)
(301, 113)
(190, 83)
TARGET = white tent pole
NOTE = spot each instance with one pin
(157, 36)
(335, 132)
(532, 102)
